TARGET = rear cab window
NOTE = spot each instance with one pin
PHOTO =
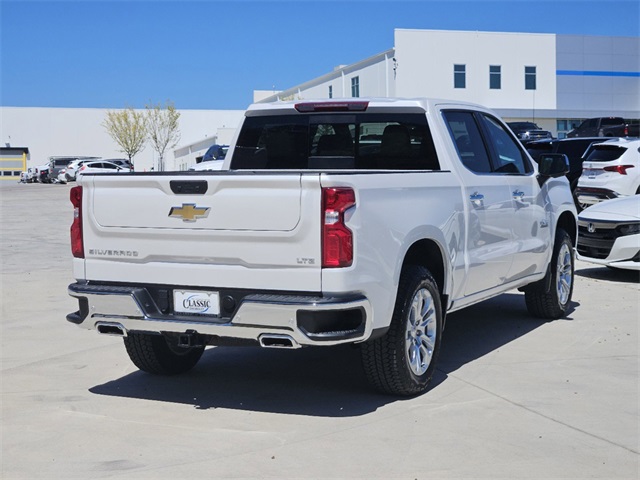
(334, 141)
(605, 153)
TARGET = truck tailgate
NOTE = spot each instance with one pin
(236, 230)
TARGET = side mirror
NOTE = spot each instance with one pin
(552, 165)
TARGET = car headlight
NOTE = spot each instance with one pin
(630, 229)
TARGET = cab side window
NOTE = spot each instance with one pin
(466, 136)
(507, 156)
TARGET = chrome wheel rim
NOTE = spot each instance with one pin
(564, 277)
(421, 332)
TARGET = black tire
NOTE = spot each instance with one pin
(154, 354)
(554, 303)
(386, 360)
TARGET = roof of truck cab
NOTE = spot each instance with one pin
(426, 104)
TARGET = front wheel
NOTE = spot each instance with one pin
(160, 355)
(554, 302)
(402, 362)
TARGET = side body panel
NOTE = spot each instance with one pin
(393, 211)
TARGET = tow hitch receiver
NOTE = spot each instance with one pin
(189, 339)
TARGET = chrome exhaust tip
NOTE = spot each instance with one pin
(273, 340)
(108, 328)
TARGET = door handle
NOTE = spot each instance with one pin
(518, 195)
(477, 199)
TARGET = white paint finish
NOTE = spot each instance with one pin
(232, 203)
(260, 245)
(426, 59)
(252, 244)
(375, 73)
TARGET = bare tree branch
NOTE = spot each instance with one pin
(163, 128)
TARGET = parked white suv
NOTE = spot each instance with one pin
(611, 170)
(71, 171)
(102, 166)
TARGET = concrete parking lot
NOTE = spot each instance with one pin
(514, 397)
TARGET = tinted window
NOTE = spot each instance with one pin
(530, 78)
(611, 121)
(465, 134)
(494, 77)
(537, 149)
(459, 76)
(573, 149)
(605, 153)
(523, 126)
(336, 141)
(508, 157)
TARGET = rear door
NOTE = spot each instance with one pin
(255, 231)
(489, 242)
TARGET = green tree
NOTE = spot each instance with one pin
(163, 129)
(128, 129)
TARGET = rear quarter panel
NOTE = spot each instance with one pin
(393, 211)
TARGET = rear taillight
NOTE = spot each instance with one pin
(77, 244)
(621, 169)
(337, 239)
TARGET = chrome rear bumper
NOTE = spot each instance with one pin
(308, 320)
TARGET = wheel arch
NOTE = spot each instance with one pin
(568, 223)
(428, 253)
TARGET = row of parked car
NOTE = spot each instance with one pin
(67, 169)
(604, 174)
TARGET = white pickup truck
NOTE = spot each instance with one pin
(345, 221)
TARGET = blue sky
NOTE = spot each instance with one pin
(212, 54)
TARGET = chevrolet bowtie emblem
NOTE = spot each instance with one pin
(189, 212)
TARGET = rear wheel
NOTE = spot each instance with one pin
(402, 362)
(554, 303)
(160, 355)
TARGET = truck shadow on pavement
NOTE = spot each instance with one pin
(610, 274)
(323, 381)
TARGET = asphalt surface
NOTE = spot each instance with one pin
(513, 397)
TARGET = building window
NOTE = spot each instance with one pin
(459, 76)
(564, 126)
(330, 91)
(529, 78)
(495, 77)
(355, 87)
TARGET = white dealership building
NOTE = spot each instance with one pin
(553, 80)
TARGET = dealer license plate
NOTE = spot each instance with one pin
(198, 302)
